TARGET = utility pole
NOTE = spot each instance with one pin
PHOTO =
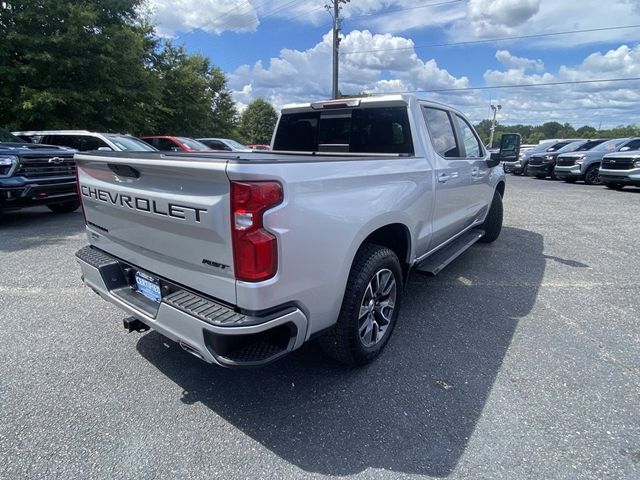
(334, 10)
(496, 109)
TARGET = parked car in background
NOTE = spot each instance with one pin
(571, 167)
(542, 165)
(519, 166)
(259, 147)
(224, 144)
(621, 169)
(83, 140)
(167, 143)
(35, 174)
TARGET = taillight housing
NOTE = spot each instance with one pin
(255, 250)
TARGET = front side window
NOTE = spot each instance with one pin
(633, 145)
(441, 132)
(166, 145)
(192, 144)
(90, 143)
(471, 143)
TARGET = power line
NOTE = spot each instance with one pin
(404, 9)
(517, 85)
(265, 15)
(491, 40)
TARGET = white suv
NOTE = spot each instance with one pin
(83, 140)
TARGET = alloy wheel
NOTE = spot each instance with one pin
(376, 308)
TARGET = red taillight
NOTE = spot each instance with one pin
(84, 215)
(255, 250)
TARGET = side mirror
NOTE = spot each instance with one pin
(625, 149)
(105, 149)
(509, 149)
(175, 149)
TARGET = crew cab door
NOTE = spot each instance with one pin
(458, 179)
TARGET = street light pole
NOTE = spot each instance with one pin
(496, 109)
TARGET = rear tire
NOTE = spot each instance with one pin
(614, 186)
(592, 177)
(369, 308)
(64, 207)
(492, 225)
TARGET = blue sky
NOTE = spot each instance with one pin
(280, 50)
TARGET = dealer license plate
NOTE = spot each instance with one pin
(148, 286)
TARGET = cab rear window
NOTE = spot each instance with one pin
(364, 130)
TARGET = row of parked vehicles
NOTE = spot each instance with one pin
(37, 167)
(614, 163)
(84, 141)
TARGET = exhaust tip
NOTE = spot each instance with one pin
(189, 349)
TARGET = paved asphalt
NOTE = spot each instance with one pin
(521, 360)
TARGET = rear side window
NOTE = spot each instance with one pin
(441, 132)
(365, 130)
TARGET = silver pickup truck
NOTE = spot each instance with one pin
(243, 257)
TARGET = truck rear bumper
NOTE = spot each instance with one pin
(204, 327)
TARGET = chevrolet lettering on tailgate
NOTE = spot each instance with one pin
(182, 212)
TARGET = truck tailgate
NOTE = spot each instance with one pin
(166, 215)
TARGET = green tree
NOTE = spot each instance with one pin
(194, 99)
(586, 132)
(75, 64)
(257, 122)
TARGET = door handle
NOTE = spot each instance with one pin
(477, 173)
(445, 177)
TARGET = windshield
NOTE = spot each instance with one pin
(129, 143)
(610, 146)
(571, 147)
(6, 136)
(236, 145)
(556, 146)
(192, 144)
(589, 145)
(541, 147)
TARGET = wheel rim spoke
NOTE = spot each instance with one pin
(377, 307)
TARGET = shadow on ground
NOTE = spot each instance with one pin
(29, 228)
(411, 411)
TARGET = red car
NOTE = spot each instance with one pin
(259, 147)
(167, 143)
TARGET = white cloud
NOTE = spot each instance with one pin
(522, 63)
(497, 18)
(298, 76)
(306, 75)
(213, 16)
(579, 104)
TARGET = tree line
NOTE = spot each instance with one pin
(99, 65)
(534, 134)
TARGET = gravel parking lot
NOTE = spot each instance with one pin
(521, 360)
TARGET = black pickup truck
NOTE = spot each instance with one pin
(34, 174)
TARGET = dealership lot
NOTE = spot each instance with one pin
(521, 360)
